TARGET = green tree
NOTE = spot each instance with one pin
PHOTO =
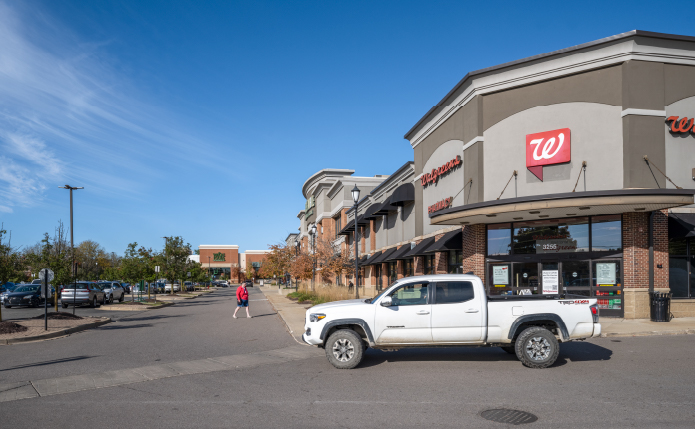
(176, 261)
(11, 260)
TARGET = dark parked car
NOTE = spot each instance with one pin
(249, 283)
(6, 289)
(85, 293)
(126, 287)
(25, 296)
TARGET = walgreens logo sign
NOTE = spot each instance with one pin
(547, 148)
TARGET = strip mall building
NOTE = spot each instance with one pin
(566, 172)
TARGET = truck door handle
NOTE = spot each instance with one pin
(423, 312)
(472, 310)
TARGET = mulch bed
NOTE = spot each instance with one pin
(61, 315)
(11, 328)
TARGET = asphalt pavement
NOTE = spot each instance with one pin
(605, 382)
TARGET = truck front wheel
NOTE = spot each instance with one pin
(344, 349)
(537, 347)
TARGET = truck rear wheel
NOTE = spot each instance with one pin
(537, 347)
(344, 349)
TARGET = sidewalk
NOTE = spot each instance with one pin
(293, 314)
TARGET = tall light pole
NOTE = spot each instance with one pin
(356, 197)
(166, 261)
(72, 249)
(313, 256)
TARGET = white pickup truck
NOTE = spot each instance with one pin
(450, 310)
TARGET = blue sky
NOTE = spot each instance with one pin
(203, 119)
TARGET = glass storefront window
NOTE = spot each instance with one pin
(678, 276)
(408, 268)
(392, 272)
(429, 264)
(499, 279)
(499, 239)
(678, 246)
(551, 236)
(608, 281)
(576, 277)
(606, 234)
(526, 278)
(455, 265)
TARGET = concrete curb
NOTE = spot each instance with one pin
(135, 308)
(648, 333)
(55, 334)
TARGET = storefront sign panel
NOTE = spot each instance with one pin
(547, 148)
(433, 177)
(440, 205)
(550, 282)
(559, 245)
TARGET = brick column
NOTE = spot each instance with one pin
(440, 262)
(372, 236)
(362, 245)
(636, 265)
(474, 239)
(419, 265)
(399, 269)
(660, 234)
(385, 274)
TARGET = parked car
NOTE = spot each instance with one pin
(188, 286)
(451, 310)
(167, 288)
(126, 287)
(112, 291)
(248, 283)
(26, 296)
(6, 289)
(82, 293)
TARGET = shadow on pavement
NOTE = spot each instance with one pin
(112, 327)
(150, 318)
(575, 352)
(49, 362)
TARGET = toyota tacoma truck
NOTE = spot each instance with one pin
(450, 310)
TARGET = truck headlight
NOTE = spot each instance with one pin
(315, 317)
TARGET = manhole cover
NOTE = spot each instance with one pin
(512, 417)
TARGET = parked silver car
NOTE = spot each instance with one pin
(86, 293)
(112, 290)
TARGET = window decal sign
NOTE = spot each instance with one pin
(433, 177)
(550, 282)
(681, 125)
(547, 148)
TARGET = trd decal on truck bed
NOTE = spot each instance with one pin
(577, 301)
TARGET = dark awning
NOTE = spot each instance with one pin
(399, 254)
(681, 225)
(403, 195)
(419, 250)
(380, 209)
(372, 258)
(382, 258)
(362, 260)
(350, 227)
(452, 240)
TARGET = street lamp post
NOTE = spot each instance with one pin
(356, 197)
(313, 256)
(72, 250)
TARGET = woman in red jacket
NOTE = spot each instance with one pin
(242, 299)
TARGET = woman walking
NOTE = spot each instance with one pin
(242, 299)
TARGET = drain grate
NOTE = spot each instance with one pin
(512, 417)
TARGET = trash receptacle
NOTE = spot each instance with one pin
(660, 306)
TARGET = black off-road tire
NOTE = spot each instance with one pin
(537, 347)
(510, 349)
(344, 349)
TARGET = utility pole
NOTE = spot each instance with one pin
(72, 248)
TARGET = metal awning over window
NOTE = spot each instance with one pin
(419, 250)
(383, 256)
(403, 195)
(372, 258)
(452, 240)
(681, 225)
(399, 254)
(350, 227)
(380, 209)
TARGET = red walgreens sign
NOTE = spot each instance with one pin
(445, 203)
(681, 125)
(433, 177)
(547, 148)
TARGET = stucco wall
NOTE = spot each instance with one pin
(680, 147)
(596, 137)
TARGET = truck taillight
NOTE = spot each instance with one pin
(594, 312)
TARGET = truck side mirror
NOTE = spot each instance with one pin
(386, 301)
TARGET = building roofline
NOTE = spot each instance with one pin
(509, 64)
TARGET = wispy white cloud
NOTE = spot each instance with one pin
(66, 111)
